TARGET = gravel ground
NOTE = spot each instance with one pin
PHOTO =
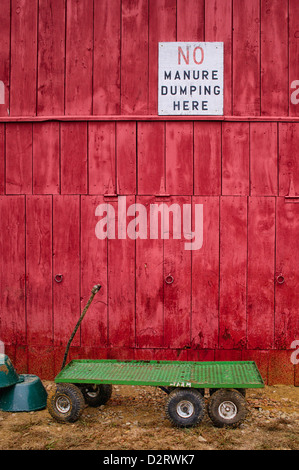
(134, 419)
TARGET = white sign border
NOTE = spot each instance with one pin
(219, 65)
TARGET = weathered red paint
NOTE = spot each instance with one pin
(79, 127)
(274, 57)
(293, 49)
(45, 159)
(23, 57)
(51, 63)
(246, 53)
(18, 159)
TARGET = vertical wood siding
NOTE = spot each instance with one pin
(64, 62)
(99, 57)
(225, 296)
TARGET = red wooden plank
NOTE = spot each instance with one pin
(134, 57)
(90, 352)
(12, 270)
(207, 158)
(281, 369)
(227, 355)
(162, 27)
(19, 158)
(46, 158)
(2, 158)
(51, 55)
(4, 57)
(74, 158)
(246, 55)
(205, 277)
(66, 263)
(274, 50)
(161, 354)
(287, 259)
(293, 56)
(121, 280)
(179, 158)
(235, 158)
(101, 145)
(126, 157)
(121, 354)
(261, 358)
(233, 266)
(177, 263)
(261, 259)
(190, 20)
(149, 286)
(19, 357)
(41, 361)
(218, 27)
(288, 161)
(23, 57)
(263, 159)
(149, 118)
(200, 355)
(151, 147)
(39, 270)
(93, 271)
(106, 71)
(79, 47)
(75, 352)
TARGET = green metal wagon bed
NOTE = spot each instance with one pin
(235, 374)
(86, 381)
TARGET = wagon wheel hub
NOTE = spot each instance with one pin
(63, 404)
(185, 409)
(227, 410)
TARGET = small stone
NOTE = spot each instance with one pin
(202, 439)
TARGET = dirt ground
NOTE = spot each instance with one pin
(134, 419)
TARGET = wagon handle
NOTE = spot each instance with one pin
(94, 291)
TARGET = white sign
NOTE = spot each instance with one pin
(190, 78)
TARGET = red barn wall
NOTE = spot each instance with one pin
(79, 127)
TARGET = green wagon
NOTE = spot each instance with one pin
(90, 382)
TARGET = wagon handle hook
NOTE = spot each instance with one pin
(94, 291)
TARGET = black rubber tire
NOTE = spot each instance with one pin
(96, 395)
(185, 401)
(65, 403)
(231, 415)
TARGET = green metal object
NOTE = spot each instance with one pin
(226, 374)
(27, 395)
(177, 378)
(8, 375)
(235, 374)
